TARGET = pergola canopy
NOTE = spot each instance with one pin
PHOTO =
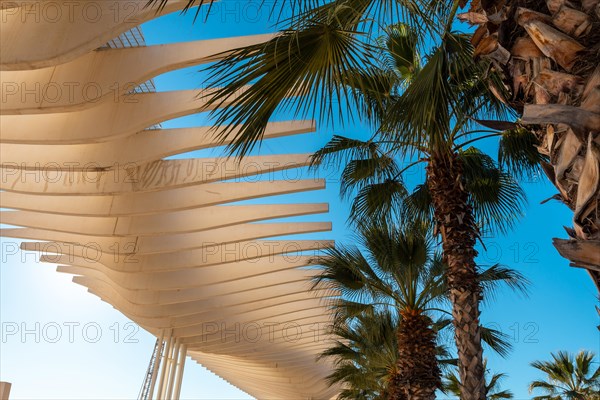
(85, 180)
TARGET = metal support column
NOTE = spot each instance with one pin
(165, 363)
(181, 364)
(173, 369)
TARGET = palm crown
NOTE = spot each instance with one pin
(568, 377)
(373, 167)
(394, 275)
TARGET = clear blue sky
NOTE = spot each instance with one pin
(94, 358)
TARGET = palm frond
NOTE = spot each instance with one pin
(364, 353)
(423, 107)
(496, 275)
(448, 88)
(345, 269)
(359, 173)
(397, 249)
(496, 197)
(474, 83)
(518, 154)
(341, 150)
(567, 376)
(452, 385)
(417, 205)
(364, 15)
(496, 340)
(375, 86)
(345, 310)
(161, 4)
(316, 58)
(315, 63)
(401, 44)
(378, 201)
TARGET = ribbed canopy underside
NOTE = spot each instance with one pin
(86, 183)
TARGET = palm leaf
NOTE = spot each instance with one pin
(567, 376)
(316, 58)
(417, 205)
(492, 277)
(160, 4)
(360, 173)
(415, 113)
(401, 43)
(496, 340)
(378, 201)
(518, 154)
(496, 197)
(452, 385)
(315, 62)
(341, 150)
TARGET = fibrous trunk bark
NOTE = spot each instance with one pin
(455, 221)
(552, 75)
(418, 374)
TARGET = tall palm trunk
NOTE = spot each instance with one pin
(549, 54)
(418, 374)
(454, 218)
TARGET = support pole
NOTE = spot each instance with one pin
(165, 360)
(182, 354)
(173, 369)
(5, 390)
(157, 364)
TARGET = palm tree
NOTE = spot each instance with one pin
(547, 53)
(568, 377)
(366, 355)
(463, 185)
(325, 58)
(397, 273)
(492, 386)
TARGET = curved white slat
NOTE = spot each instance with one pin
(128, 246)
(239, 372)
(255, 310)
(41, 34)
(110, 120)
(140, 148)
(92, 79)
(202, 302)
(152, 176)
(89, 277)
(141, 203)
(157, 224)
(188, 278)
(211, 253)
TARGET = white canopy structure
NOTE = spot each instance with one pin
(85, 181)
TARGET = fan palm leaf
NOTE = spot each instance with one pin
(568, 376)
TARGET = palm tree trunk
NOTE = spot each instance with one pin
(455, 221)
(418, 374)
(548, 54)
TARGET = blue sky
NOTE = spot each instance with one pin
(100, 354)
